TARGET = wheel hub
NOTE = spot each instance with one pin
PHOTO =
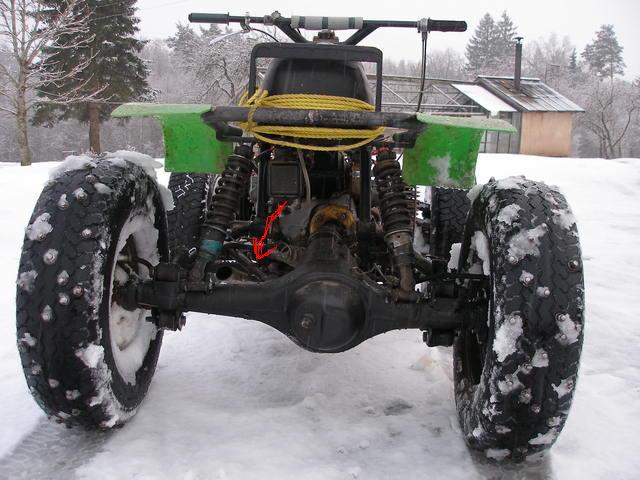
(130, 334)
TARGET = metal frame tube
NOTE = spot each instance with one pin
(365, 186)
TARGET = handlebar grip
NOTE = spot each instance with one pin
(324, 23)
(446, 26)
(209, 18)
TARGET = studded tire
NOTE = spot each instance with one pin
(192, 194)
(449, 209)
(515, 379)
(86, 360)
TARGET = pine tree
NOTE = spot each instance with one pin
(481, 52)
(115, 69)
(573, 61)
(505, 33)
(604, 54)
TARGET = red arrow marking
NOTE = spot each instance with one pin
(258, 245)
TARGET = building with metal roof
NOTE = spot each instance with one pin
(533, 95)
(543, 117)
(484, 98)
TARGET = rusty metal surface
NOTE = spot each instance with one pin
(333, 213)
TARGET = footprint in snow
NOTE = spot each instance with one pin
(397, 407)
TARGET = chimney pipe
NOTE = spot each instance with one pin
(518, 73)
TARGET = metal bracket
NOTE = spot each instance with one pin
(246, 24)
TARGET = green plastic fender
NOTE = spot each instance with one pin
(446, 151)
(190, 145)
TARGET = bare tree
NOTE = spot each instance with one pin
(549, 58)
(217, 61)
(23, 68)
(447, 64)
(612, 110)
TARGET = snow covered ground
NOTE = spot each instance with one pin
(234, 399)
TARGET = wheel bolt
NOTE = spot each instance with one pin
(86, 233)
(80, 194)
(47, 314)
(574, 265)
(63, 204)
(77, 291)
(63, 278)
(63, 299)
(306, 321)
(50, 257)
(513, 260)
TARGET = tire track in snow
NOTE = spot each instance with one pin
(51, 452)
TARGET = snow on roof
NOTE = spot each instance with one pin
(533, 96)
(483, 97)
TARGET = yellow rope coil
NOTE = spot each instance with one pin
(260, 99)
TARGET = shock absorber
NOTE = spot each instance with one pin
(396, 217)
(225, 204)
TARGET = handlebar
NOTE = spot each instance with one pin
(324, 23)
(446, 25)
(331, 23)
(212, 18)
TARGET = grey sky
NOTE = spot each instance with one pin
(579, 19)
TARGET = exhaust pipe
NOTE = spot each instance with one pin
(518, 72)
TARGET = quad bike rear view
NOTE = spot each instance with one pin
(294, 209)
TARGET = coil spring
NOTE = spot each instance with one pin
(412, 204)
(226, 198)
(394, 197)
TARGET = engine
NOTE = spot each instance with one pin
(319, 187)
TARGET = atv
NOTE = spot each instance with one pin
(293, 208)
